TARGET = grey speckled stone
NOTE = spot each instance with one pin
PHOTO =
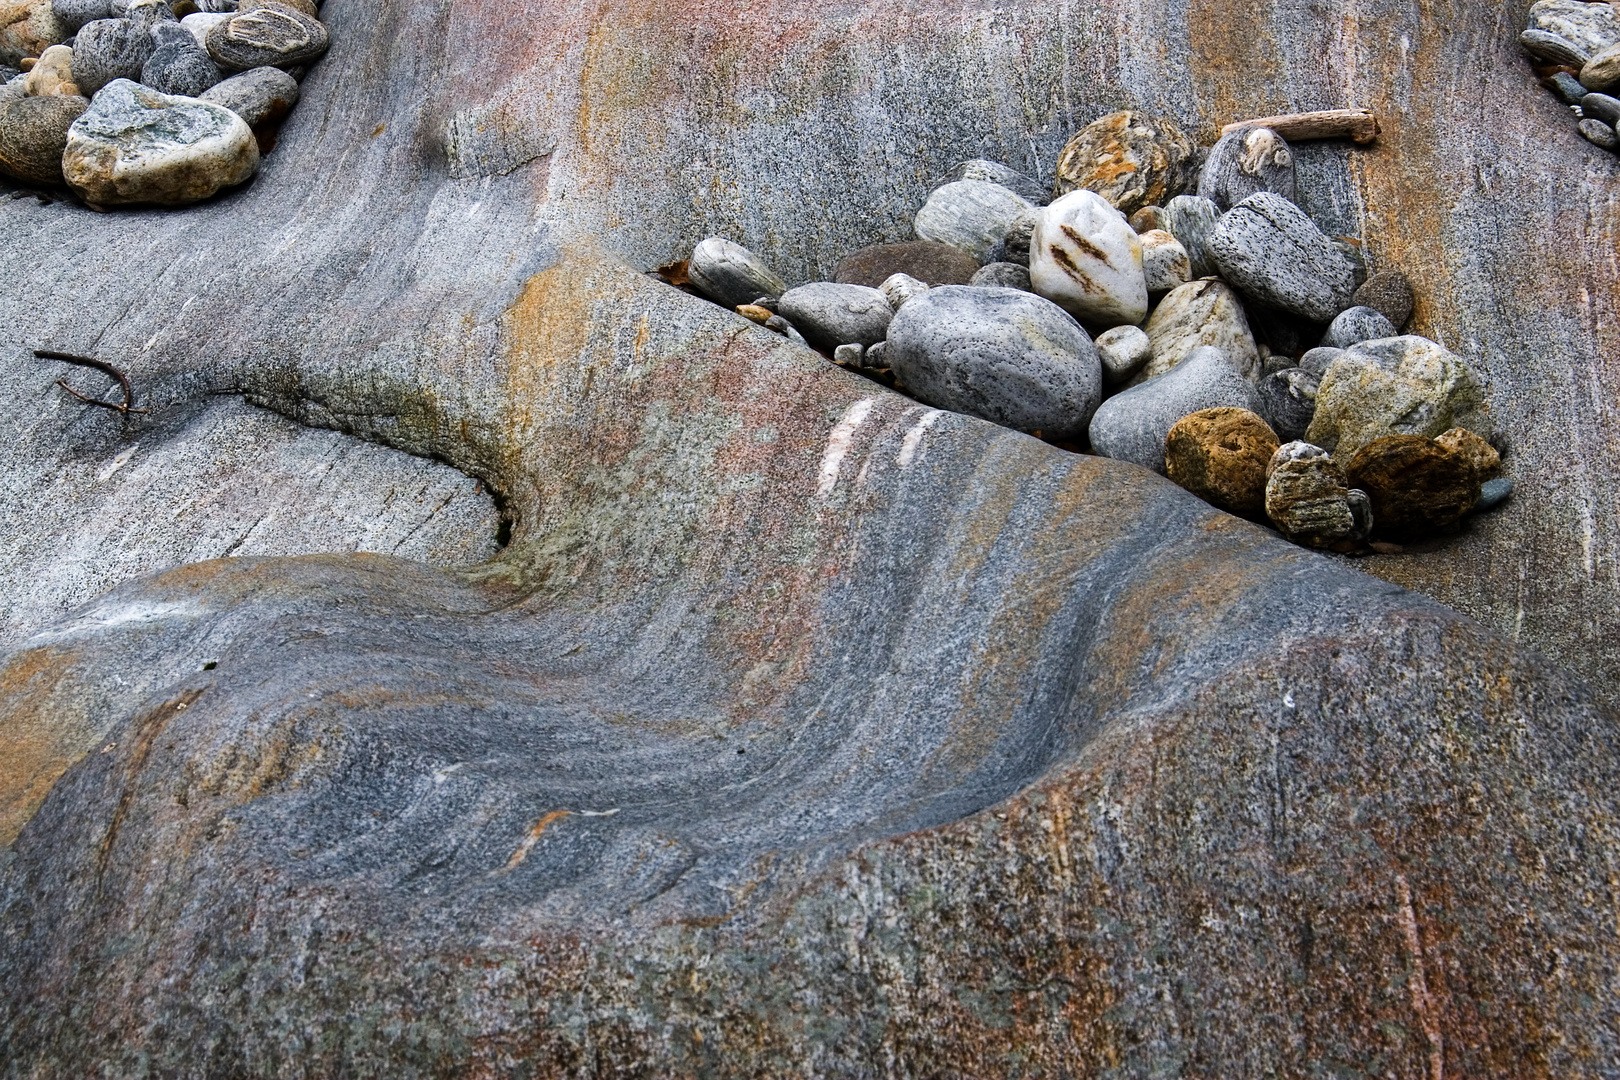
(1199, 313)
(1191, 219)
(1389, 293)
(1245, 162)
(1317, 360)
(109, 49)
(1554, 49)
(829, 314)
(1288, 401)
(1123, 351)
(1131, 426)
(1590, 27)
(1004, 355)
(898, 288)
(269, 35)
(181, 68)
(973, 215)
(75, 13)
(997, 173)
(1271, 251)
(1002, 275)
(1396, 386)
(1598, 133)
(261, 96)
(723, 270)
(1357, 324)
(1567, 87)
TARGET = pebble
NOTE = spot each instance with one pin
(1220, 455)
(1480, 455)
(1130, 158)
(1306, 496)
(898, 288)
(1199, 313)
(754, 313)
(1270, 250)
(1567, 87)
(1598, 133)
(876, 357)
(1015, 245)
(997, 173)
(1318, 360)
(1601, 107)
(786, 329)
(1360, 513)
(1288, 401)
(1147, 219)
(33, 132)
(1132, 425)
(1004, 355)
(1244, 162)
(1191, 219)
(1602, 72)
(181, 69)
(1417, 485)
(723, 270)
(306, 6)
(52, 76)
(1002, 275)
(109, 49)
(260, 96)
(1493, 493)
(830, 314)
(75, 13)
(1354, 325)
(1164, 261)
(1554, 49)
(202, 22)
(849, 354)
(1590, 27)
(1388, 292)
(273, 34)
(135, 145)
(973, 215)
(1395, 386)
(28, 28)
(934, 263)
(1123, 351)
(1086, 257)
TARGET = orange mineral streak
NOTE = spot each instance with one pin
(532, 837)
(36, 746)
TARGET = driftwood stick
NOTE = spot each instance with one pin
(1358, 125)
(99, 365)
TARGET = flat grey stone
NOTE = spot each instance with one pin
(730, 274)
(1554, 48)
(1357, 324)
(1493, 493)
(1598, 133)
(1288, 401)
(1003, 275)
(109, 49)
(262, 95)
(973, 215)
(829, 314)
(180, 68)
(1190, 219)
(1568, 87)
(997, 173)
(1270, 251)
(1131, 426)
(1004, 355)
(1123, 351)
(1244, 162)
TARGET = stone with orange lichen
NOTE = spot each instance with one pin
(1479, 453)
(1220, 455)
(1130, 158)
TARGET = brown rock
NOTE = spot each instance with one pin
(52, 74)
(755, 313)
(935, 264)
(1416, 485)
(1129, 158)
(33, 134)
(1602, 73)
(1479, 453)
(1388, 293)
(1221, 455)
(28, 28)
(1306, 496)
(1148, 219)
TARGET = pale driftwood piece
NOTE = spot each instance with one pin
(1358, 125)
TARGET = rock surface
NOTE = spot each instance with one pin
(997, 173)
(1004, 355)
(1591, 27)
(52, 75)
(1357, 324)
(1221, 455)
(1396, 386)
(1002, 275)
(1388, 293)
(1288, 401)
(1164, 261)
(930, 263)
(28, 28)
(972, 215)
(1270, 250)
(180, 69)
(723, 270)
(266, 94)
(1200, 313)
(1129, 158)
(33, 131)
(1245, 162)
(1085, 257)
(75, 13)
(829, 314)
(1132, 425)
(135, 145)
(1417, 486)
(109, 49)
(1191, 219)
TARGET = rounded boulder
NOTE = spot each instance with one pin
(1417, 485)
(1130, 158)
(33, 132)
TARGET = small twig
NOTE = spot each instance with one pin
(102, 366)
(1358, 125)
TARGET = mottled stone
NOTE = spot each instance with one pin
(1123, 351)
(75, 13)
(1306, 496)
(1396, 386)
(1590, 27)
(52, 76)
(1493, 493)
(876, 357)
(1129, 158)
(898, 288)
(997, 173)
(1270, 250)
(261, 96)
(1132, 425)
(1014, 246)
(148, 14)
(1164, 261)
(829, 314)
(1602, 72)
(1480, 455)
(926, 261)
(849, 354)
(1086, 258)
(1417, 485)
(1147, 219)
(172, 33)
(1598, 133)
(272, 34)
(1244, 162)
(1361, 514)
(973, 215)
(1221, 455)
(1357, 324)
(135, 145)
(1601, 107)
(308, 7)
(109, 49)
(1389, 293)
(1005, 355)
(1002, 275)
(182, 69)
(723, 270)
(33, 131)
(1288, 401)
(1567, 87)
(1190, 219)
(1554, 49)
(1199, 313)
(28, 28)
(1355, 255)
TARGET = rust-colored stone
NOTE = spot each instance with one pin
(1220, 455)
(1479, 453)
(1416, 485)
(1129, 158)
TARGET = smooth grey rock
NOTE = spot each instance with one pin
(1288, 401)
(1132, 425)
(1190, 219)
(200, 23)
(898, 288)
(1004, 355)
(1318, 360)
(829, 314)
(1086, 257)
(728, 273)
(1002, 275)
(1165, 265)
(1191, 316)
(1567, 87)
(1590, 27)
(1269, 250)
(136, 145)
(1389, 293)
(1601, 107)
(1493, 493)
(973, 215)
(270, 35)
(782, 326)
(181, 68)
(1554, 49)
(1396, 386)
(260, 96)
(172, 33)
(1357, 324)
(1244, 162)
(1123, 351)
(997, 173)
(849, 354)
(75, 13)
(109, 49)
(1598, 133)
